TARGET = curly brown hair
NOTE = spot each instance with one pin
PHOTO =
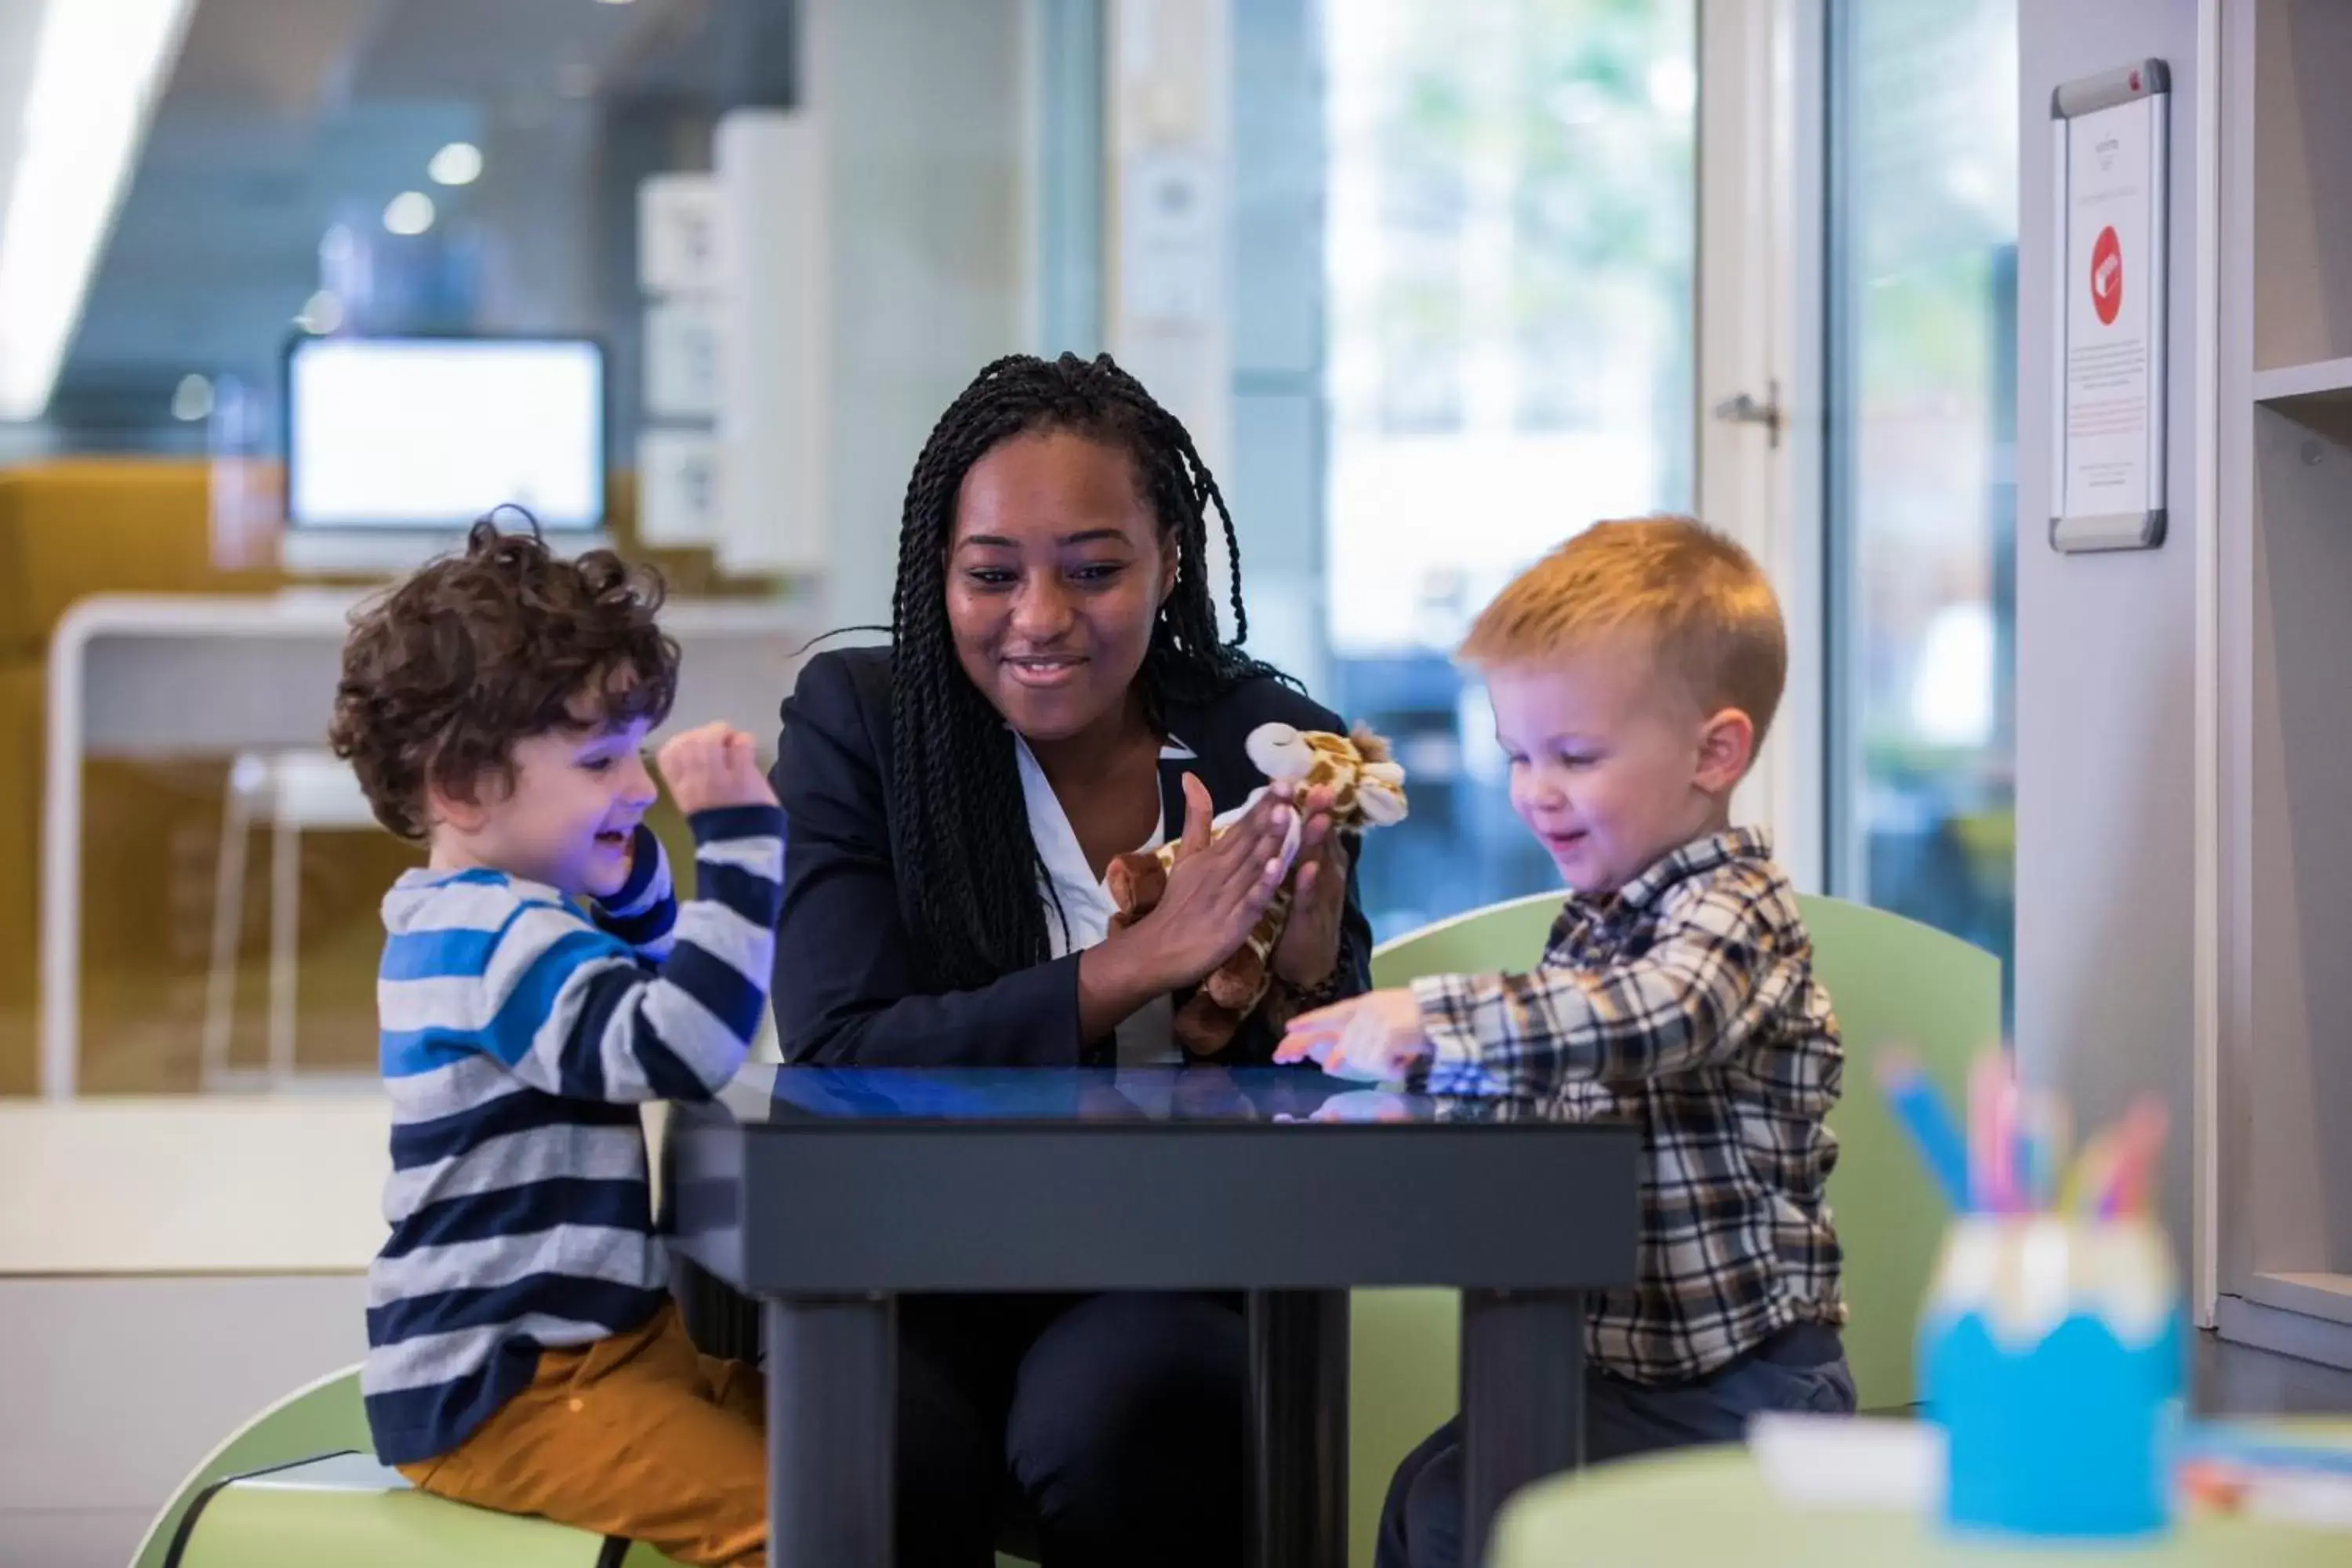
(443, 675)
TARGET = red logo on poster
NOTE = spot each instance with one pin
(2106, 276)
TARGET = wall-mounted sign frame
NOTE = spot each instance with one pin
(2113, 175)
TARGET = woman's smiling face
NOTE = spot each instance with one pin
(1056, 572)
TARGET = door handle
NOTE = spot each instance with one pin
(1745, 409)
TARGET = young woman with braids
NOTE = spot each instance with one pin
(1055, 693)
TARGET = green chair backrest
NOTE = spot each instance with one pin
(1894, 984)
(1893, 981)
(324, 1418)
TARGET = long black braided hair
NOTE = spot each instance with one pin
(967, 868)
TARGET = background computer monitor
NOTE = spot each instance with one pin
(393, 445)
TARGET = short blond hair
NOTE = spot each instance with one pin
(1711, 617)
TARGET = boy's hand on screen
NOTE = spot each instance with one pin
(1377, 1036)
(713, 767)
(1364, 1105)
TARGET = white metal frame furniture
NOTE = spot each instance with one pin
(292, 792)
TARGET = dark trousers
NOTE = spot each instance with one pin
(1801, 1369)
(1110, 1427)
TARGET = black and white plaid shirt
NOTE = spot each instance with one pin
(1686, 1005)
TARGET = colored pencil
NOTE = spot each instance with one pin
(1983, 1087)
(2137, 1147)
(1921, 1112)
(2014, 1153)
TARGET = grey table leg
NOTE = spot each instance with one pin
(1522, 1399)
(1299, 1429)
(832, 1441)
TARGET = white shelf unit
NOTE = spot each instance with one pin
(2284, 1215)
(2322, 380)
(2328, 1295)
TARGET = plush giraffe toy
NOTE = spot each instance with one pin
(1367, 791)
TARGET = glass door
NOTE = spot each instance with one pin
(1510, 235)
(1922, 303)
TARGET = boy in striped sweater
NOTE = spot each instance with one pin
(540, 981)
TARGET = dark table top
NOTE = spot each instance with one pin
(798, 1096)
(815, 1181)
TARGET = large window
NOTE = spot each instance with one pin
(1509, 270)
(1923, 295)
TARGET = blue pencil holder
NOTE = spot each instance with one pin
(2052, 1352)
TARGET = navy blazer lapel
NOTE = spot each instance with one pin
(1182, 722)
(1214, 732)
(1187, 730)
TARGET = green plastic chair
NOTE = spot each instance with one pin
(299, 1484)
(1892, 981)
(347, 1509)
(325, 1417)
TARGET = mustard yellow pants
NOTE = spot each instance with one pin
(636, 1436)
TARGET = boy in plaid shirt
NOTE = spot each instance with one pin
(1633, 672)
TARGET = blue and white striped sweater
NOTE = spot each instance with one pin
(519, 1036)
